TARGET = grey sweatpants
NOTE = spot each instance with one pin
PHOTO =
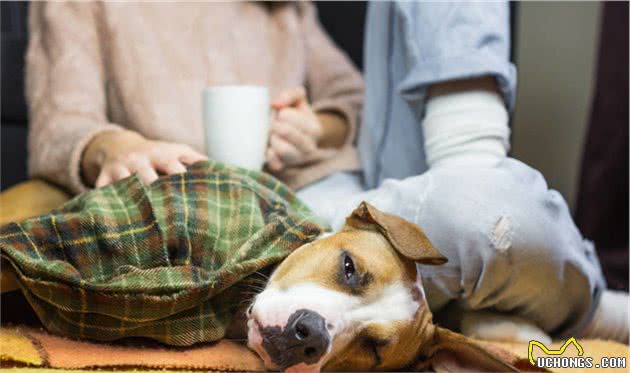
(511, 242)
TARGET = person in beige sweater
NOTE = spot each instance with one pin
(115, 88)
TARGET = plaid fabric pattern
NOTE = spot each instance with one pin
(164, 261)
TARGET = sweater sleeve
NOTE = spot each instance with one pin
(65, 90)
(333, 83)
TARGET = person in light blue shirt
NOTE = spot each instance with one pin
(410, 46)
(433, 144)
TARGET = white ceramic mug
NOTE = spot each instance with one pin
(236, 121)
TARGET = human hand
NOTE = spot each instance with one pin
(295, 130)
(115, 155)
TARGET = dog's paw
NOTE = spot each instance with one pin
(499, 327)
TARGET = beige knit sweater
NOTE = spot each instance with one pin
(93, 67)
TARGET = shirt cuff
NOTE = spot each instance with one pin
(473, 64)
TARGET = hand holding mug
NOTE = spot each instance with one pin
(295, 131)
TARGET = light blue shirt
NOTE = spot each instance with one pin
(409, 46)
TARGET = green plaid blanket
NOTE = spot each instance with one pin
(165, 261)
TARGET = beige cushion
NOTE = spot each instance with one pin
(22, 201)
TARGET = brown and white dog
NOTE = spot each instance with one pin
(353, 300)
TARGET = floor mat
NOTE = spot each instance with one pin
(37, 348)
(34, 348)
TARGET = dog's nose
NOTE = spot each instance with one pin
(309, 329)
(304, 339)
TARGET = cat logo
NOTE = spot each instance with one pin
(547, 351)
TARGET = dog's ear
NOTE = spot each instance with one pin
(407, 238)
(453, 352)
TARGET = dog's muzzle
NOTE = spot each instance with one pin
(304, 339)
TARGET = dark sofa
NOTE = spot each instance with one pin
(13, 107)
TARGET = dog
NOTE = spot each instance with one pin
(354, 300)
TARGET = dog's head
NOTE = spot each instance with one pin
(350, 301)
(347, 300)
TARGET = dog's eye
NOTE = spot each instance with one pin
(348, 267)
